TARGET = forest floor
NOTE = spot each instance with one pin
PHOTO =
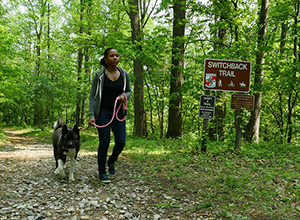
(31, 190)
(156, 180)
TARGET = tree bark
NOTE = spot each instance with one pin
(252, 130)
(79, 68)
(217, 131)
(292, 99)
(140, 125)
(39, 26)
(175, 102)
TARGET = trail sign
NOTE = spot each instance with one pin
(207, 106)
(242, 101)
(226, 75)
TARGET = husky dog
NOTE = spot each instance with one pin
(66, 142)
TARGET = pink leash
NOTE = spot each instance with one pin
(115, 113)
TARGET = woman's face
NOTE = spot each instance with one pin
(112, 58)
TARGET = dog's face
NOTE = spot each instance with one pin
(70, 137)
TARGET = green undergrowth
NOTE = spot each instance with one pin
(3, 137)
(257, 182)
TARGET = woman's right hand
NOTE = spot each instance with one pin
(91, 121)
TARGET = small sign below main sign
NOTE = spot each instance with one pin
(227, 75)
(207, 106)
(242, 101)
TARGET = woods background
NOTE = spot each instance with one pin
(51, 49)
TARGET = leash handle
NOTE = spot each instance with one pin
(124, 104)
(115, 113)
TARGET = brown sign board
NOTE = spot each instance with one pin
(242, 101)
(207, 106)
(227, 75)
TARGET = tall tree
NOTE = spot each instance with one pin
(294, 91)
(175, 101)
(36, 15)
(80, 56)
(139, 14)
(223, 18)
(42, 77)
(252, 132)
(140, 124)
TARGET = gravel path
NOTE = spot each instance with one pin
(30, 189)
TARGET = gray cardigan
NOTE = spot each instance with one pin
(97, 89)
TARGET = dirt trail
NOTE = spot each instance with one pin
(30, 189)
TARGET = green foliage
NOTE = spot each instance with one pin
(261, 178)
(3, 138)
(89, 140)
(41, 79)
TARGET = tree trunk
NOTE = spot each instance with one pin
(150, 106)
(140, 125)
(79, 78)
(252, 131)
(238, 128)
(217, 132)
(87, 73)
(280, 120)
(292, 100)
(50, 111)
(79, 68)
(39, 27)
(175, 102)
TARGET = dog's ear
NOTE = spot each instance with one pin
(65, 129)
(76, 129)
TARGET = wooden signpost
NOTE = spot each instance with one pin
(232, 76)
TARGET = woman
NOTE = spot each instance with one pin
(109, 84)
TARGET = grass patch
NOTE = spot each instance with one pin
(43, 136)
(258, 182)
(3, 138)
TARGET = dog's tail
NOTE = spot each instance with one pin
(59, 123)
